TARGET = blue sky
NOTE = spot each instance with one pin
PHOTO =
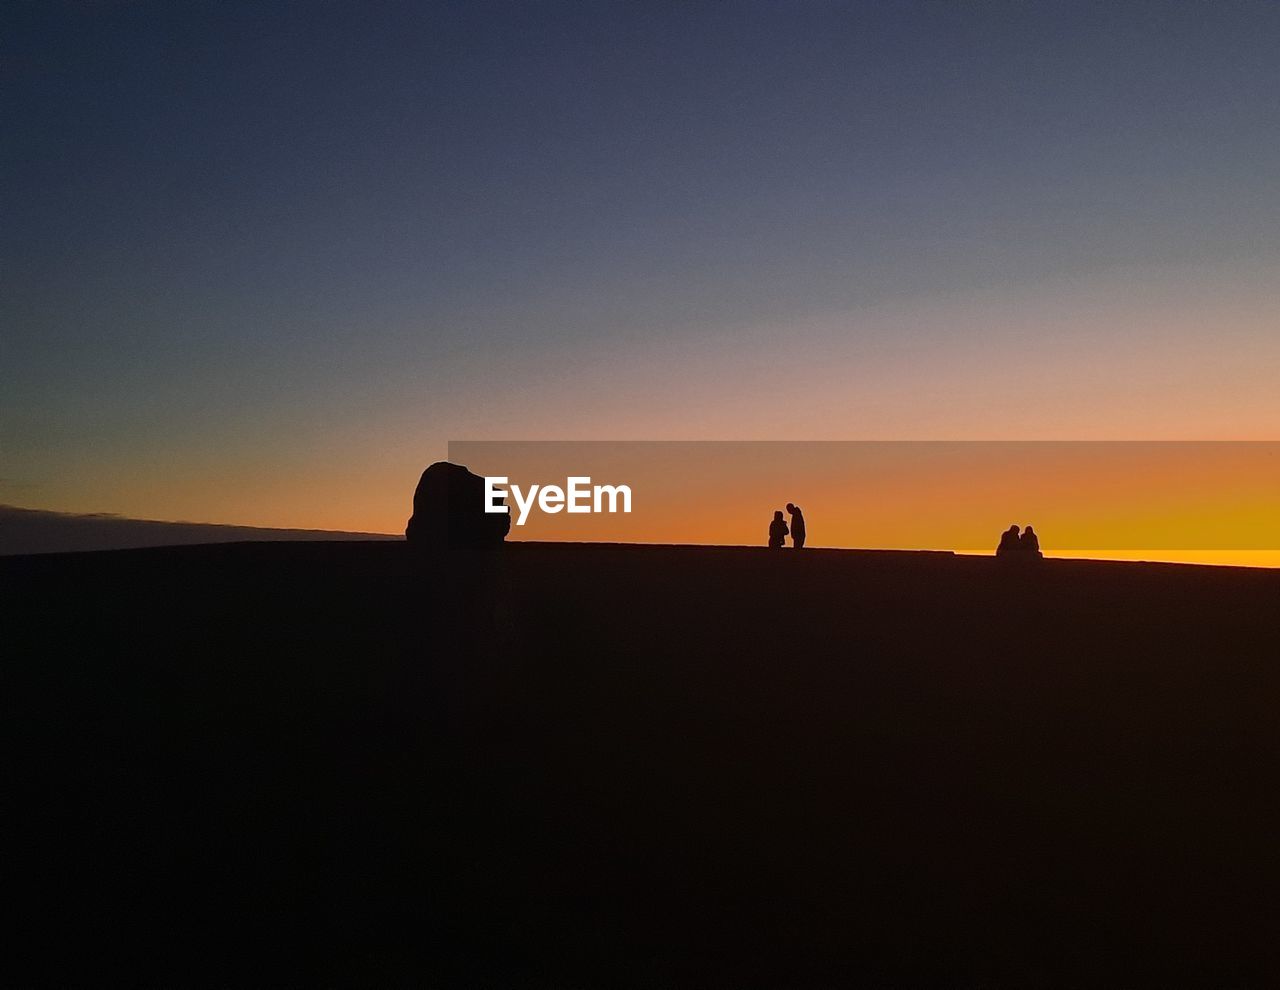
(253, 252)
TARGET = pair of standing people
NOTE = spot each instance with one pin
(778, 528)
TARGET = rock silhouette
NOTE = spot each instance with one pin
(448, 511)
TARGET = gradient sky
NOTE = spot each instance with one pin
(260, 262)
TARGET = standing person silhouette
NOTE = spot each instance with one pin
(797, 525)
(777, 530)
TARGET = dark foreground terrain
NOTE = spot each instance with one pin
(594, 765)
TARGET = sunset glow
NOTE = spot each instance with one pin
(277, 312)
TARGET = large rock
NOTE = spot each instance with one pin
(448, 511)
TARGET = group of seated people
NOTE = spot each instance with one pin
(1019, 547)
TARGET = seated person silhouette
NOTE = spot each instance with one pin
(1009, 544)
(797, 525)
(777, 530)
(1029, 544)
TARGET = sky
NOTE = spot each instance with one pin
(260, 263)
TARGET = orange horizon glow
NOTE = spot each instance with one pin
(1181, 503)
(1203, 503)
(1168, 353)
(1263, 559)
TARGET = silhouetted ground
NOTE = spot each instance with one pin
(600, 765)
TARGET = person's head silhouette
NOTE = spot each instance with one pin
(777, 515)
(791, 508)
(1009, 541)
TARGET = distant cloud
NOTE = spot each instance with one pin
(44, 531)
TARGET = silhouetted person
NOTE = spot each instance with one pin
(797, 525)
(1029, 544)
(777, 530)
(1009, 543)
(448, 511)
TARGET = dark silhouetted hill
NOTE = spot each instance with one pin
(25, 531)
(578, 765)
